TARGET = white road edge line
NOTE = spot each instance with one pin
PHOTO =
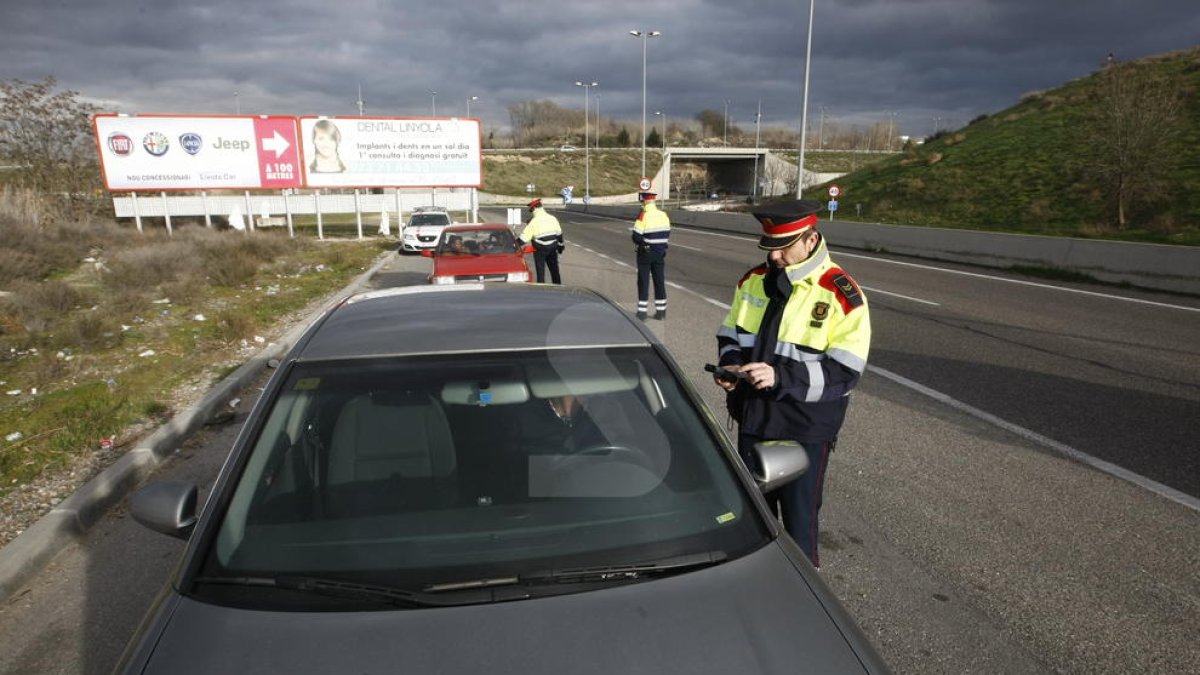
(906, 297)
(1022, 282)
(1066, 450)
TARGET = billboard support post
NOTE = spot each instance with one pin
(137, 215)
(249, 214)
(207, 216)
(287, 210)
(320, 227)
(166, 212)
(358, 213)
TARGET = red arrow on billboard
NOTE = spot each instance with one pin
(278, 152)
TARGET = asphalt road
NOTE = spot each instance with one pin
(954, 528)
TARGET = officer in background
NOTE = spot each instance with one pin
(546, 235)
(798, 332)
(650, 233)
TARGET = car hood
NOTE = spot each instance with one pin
(455, 265)
(424, 229)
(756, 614)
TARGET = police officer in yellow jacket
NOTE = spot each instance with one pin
(546, 235)
(650, 233)
(798, 332)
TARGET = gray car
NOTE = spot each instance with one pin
(487, 478)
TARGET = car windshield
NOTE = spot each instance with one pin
(477, 242)
(430, 471)
(429, 219)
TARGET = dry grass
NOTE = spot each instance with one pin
(100, 324)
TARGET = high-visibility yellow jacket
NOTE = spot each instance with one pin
(811, 322)
(652, 228)
(543, 231)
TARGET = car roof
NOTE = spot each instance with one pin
(470, 318)
(471, 227)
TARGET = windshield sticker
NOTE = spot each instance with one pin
(725, 517)
(307, 384)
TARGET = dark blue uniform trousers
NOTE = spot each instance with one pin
(799, 502)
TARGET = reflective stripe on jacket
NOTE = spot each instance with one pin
(652, 228)
(819, 347)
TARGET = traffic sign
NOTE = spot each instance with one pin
(834, 191)
(833, 205)
(644, 184)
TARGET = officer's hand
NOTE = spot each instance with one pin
(760, 375)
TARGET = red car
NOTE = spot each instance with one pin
(487, 252)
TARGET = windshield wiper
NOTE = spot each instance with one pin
(641, 570)
(336, 588)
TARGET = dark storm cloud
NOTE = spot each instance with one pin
(919, 62)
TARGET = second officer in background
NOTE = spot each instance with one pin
(546, 235)
(650, 233)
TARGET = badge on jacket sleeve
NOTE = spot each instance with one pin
(820, 312)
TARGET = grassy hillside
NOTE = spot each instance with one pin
(613, 172)
(1030, 168)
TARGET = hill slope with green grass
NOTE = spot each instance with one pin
(1054, 163)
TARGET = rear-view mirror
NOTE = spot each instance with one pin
(166, 506)
(778, 463)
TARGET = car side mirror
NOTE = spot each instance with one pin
(528, 248)
(777, 463)
(168, 507)
(426, 253)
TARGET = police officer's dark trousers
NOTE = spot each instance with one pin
(652, 265)
(799, 502)
(543, 260)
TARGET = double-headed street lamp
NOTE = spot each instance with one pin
(587, 153)
(473, 98)
(434, 95)
(645, 35)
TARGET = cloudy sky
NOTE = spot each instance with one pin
(925, 62)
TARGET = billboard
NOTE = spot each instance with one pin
(391, 152)
(169, 152)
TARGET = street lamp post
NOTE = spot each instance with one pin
(434, 95)
(664, 130)
(645, 35)
(237, 103)
(757, 121)
(804, 106)
(725, 142)
(587, 153)
(473, 98)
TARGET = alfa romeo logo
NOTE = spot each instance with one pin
(156, 143)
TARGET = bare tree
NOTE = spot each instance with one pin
(46, 137)
(1131, 135)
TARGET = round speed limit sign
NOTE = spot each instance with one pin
(644, 184)
(834, 191)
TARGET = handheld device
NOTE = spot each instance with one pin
(724, 373)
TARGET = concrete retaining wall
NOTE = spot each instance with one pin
(1153, 266)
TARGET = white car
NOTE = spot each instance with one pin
(423, 229)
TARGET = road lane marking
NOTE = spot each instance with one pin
(1022, 282)
(906, 297)
(1063, 449)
